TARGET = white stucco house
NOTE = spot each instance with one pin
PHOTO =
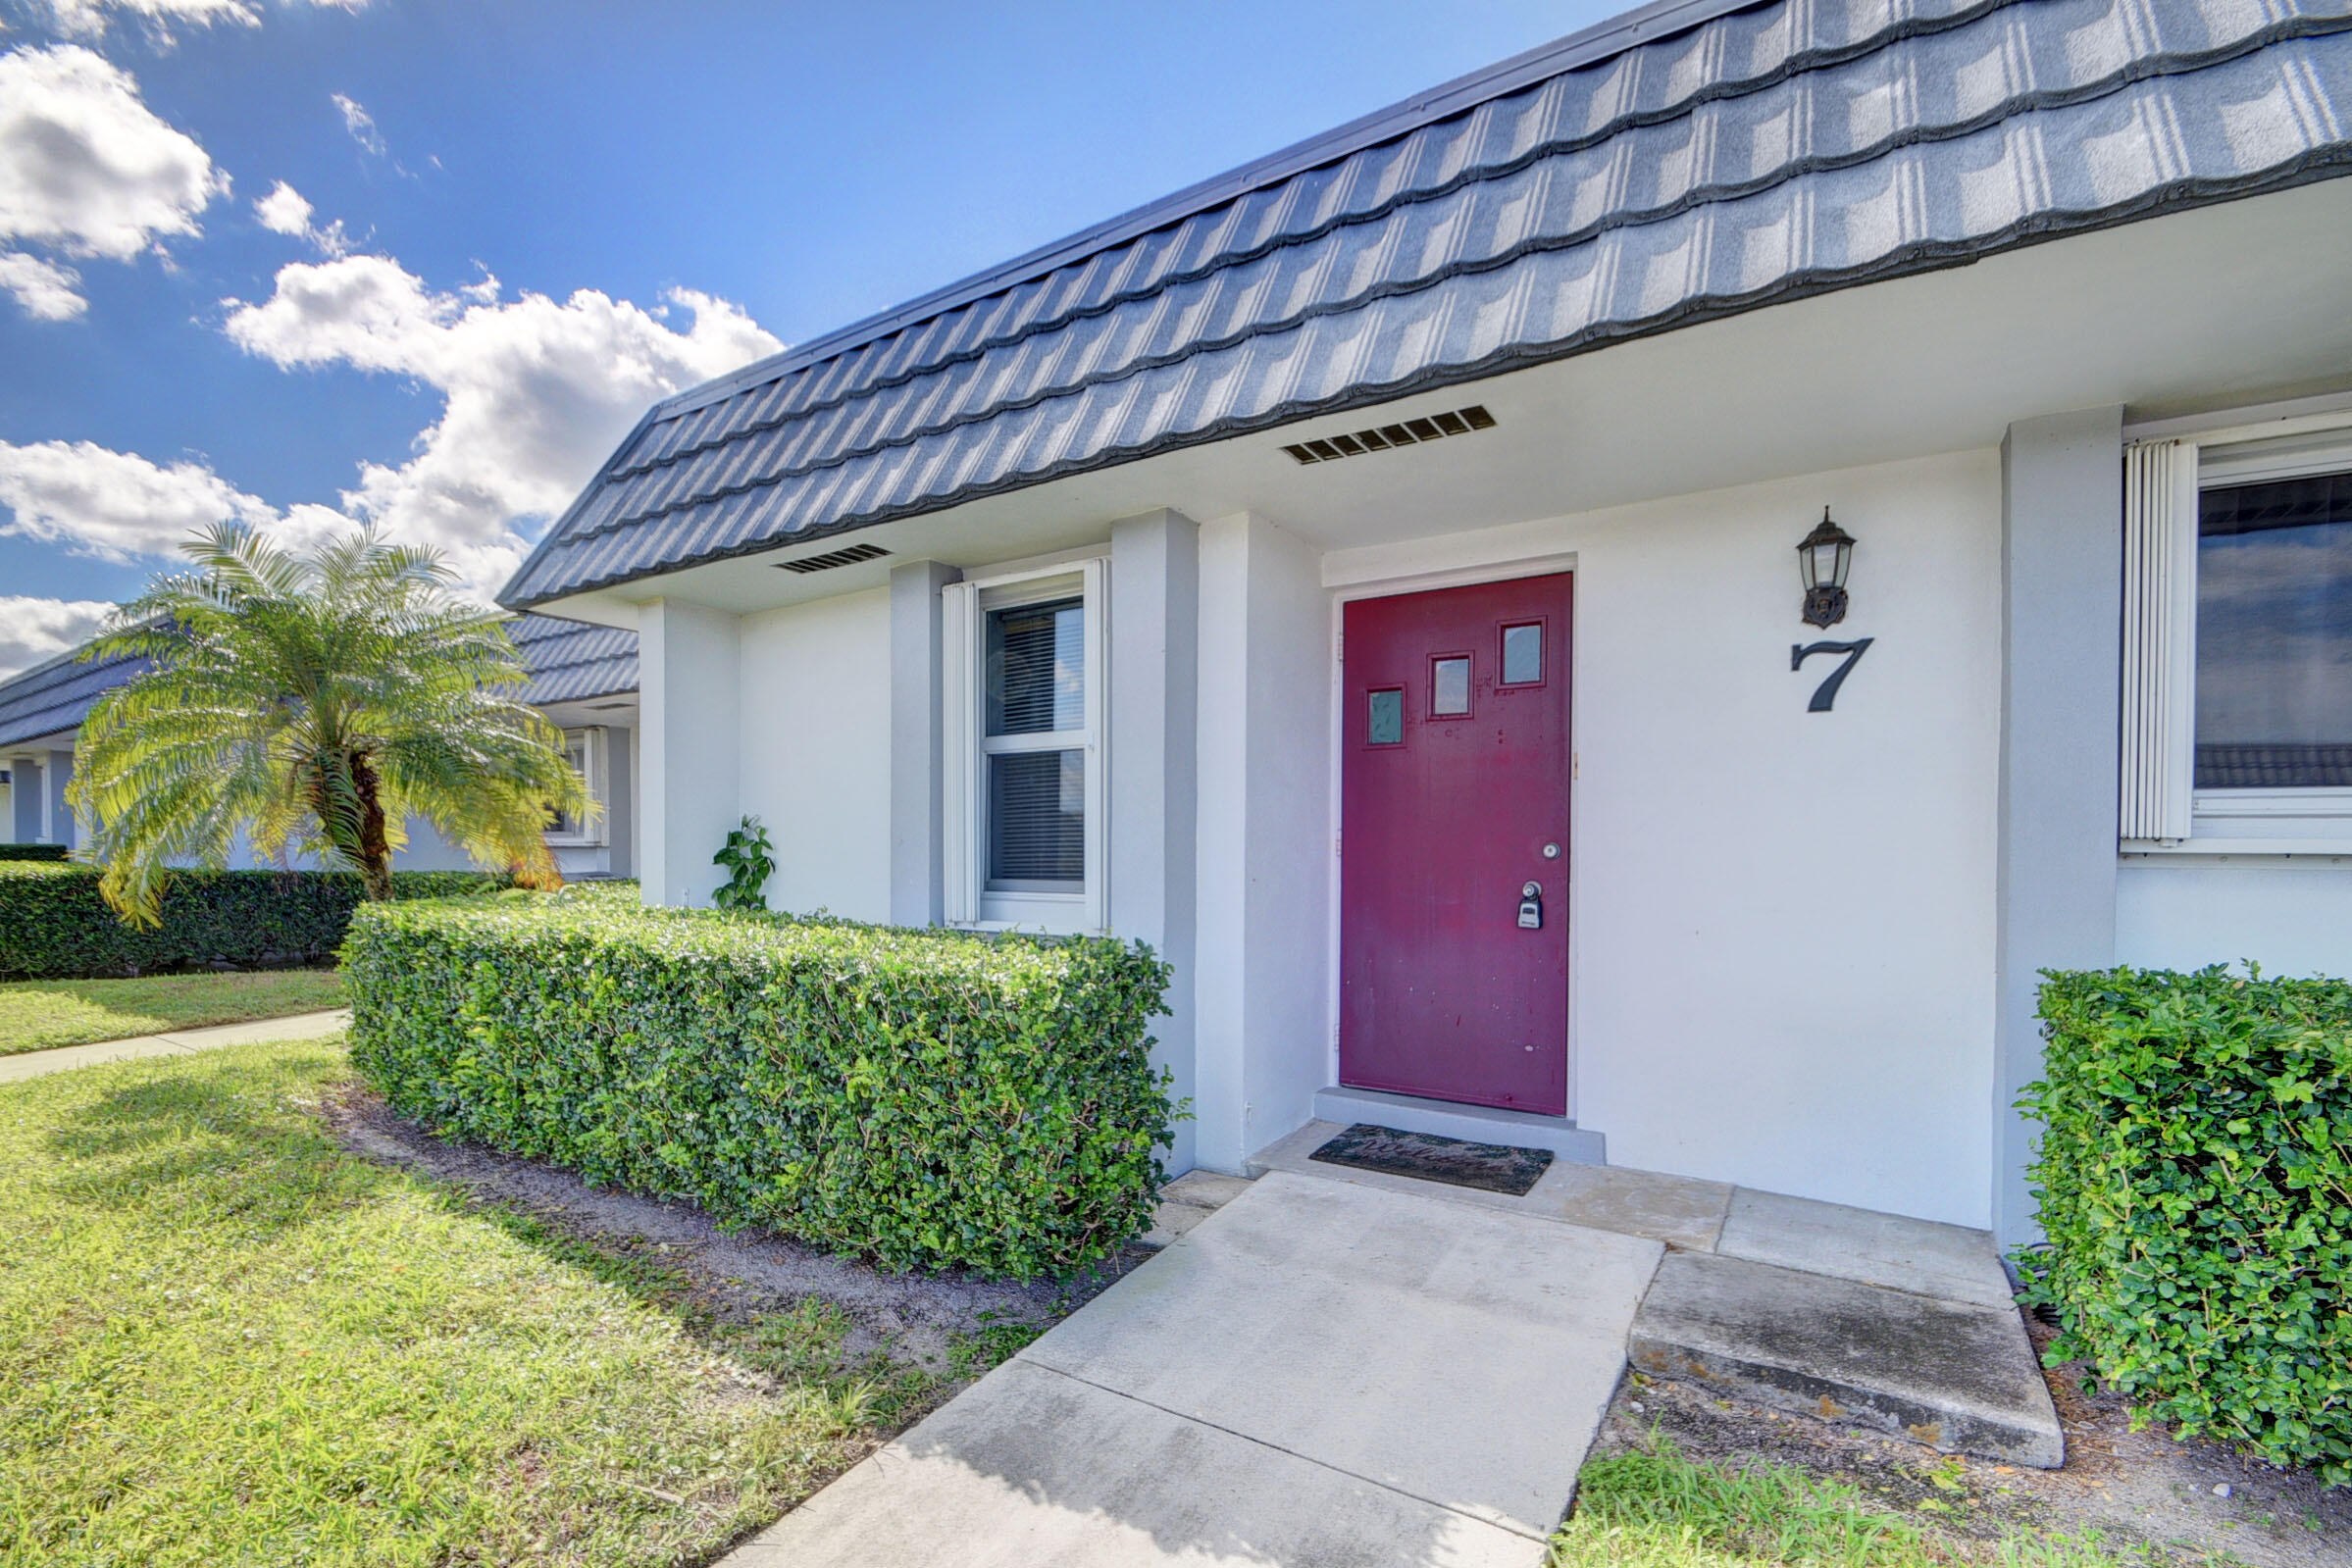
(583, 677)
(1372, 577)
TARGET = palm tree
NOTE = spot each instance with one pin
(317, 701)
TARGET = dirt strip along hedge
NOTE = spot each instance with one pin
(2195, 1179)
(923, 1098)
(53, 925)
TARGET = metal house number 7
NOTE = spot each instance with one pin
(1826, 693)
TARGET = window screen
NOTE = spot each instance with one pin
(1036, 821)
(1036, 686)
(563, 824)
(1037, 669)
(2275, 634)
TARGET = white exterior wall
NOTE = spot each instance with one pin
(688, 662)
(815, 697)
(2292, 917)
(1783, 922)
(1261, 983)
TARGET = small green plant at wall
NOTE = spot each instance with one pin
(750, 860)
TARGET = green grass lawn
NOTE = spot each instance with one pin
(1661, 1509)
(36, 1014)
(224, 1341)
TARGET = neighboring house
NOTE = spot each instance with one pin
(1370, 578)
(583, 677)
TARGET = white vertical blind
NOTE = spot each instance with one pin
(2160, 639)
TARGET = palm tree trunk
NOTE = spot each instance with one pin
(374, 854)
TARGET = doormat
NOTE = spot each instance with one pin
(1489, 1167)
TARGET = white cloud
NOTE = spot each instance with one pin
(361, 124)
(114, 505)
(88, 170)
(536, 392)
(34, 629)
(45, 290)
(88, 18)
(284, 210)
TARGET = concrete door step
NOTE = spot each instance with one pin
(1959, 1374)
(1474, 1124)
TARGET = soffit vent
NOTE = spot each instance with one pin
(848, 555)
(1409, 432)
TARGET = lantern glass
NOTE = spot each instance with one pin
(1825, 555)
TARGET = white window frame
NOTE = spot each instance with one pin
(2162, 812)
(964, 749)
(591, 741)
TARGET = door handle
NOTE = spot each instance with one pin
(1531, 906)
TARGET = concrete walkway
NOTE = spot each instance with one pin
(1905, 1326)
(1316, 1373)
(178, 1043)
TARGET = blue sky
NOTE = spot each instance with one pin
(180, 342)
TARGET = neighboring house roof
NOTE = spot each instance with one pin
(568, 660)
(571, 660)
(56, 695)
(1624, 181)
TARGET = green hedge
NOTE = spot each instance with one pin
(2195, 1178)
(32, 852)
(924, 1098)
(53, 925)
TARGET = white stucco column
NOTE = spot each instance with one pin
(1155, 668)
(620, 802)
(57, 818)
(2061, 521)
(24, 796)
(917, 786)
(1262, 987)
(688, 675)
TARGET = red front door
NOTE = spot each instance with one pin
(1454, 798)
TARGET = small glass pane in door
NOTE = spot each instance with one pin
(1385, 725)
(1522, 654)
(1449, 686)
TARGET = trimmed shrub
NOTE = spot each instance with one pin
(2195, 1179)
(53, 925)
(32, 852)
(925, 1098)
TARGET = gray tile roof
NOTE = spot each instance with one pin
(568, 661)
(57, 693)
(571, 660)
(1524, 215)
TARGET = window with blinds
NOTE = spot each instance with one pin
(582, 750)
(2237, 641)
(1034, 741)
(2275, 634)
(1023, 742)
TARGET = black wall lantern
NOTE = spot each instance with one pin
(1822, 561)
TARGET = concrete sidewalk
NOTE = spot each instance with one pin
(1316, 1373)
(177, 1042)
(1904, 1325)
